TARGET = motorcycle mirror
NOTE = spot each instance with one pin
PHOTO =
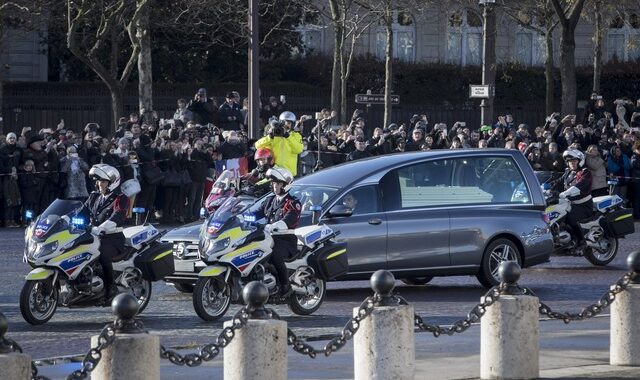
(315, 213)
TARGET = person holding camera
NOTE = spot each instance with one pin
(285, 144)
(182, 112)
(203, 108)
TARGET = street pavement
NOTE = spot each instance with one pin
(577, 350)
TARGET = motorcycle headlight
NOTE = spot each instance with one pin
(219, 245)
(45, 249)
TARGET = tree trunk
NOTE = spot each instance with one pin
(597, 47)
(548, 73)
(117, 108)
(145, 72)
(338, 37)
(568, 70)
(388, 66)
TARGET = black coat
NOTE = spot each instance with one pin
(198, 165)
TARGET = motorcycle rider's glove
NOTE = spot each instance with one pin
(280, 225)
(570, 192)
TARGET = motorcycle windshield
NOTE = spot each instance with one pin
(51, 221)
(224, 182)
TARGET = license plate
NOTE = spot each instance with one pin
(184, 266)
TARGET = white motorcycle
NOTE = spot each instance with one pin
(237, 252)
(63, 253)
(601, 232)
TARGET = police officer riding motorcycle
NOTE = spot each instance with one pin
(576, 186)
(282, 212)
(108, 207)
(256, 182)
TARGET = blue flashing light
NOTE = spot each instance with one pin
(546, 186)
(250, 218)
(203, 212)
(315, 208)
(28, 214)
(77, 221)
(138, 210)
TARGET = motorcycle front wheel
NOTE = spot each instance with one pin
(603, 255)
(306, 304)
(37, 303)
(211, 298)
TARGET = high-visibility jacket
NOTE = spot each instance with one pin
(285, 150)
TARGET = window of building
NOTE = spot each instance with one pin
(464, 38)
(312, 33)
(404, 36)
(623, 38)
(530, 49)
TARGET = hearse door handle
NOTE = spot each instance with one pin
(375, 221)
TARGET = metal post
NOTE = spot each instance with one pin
(259, 349)
(254, 69)
(488, 59)
(509, 332)
(133, 354)
(625, 327)
(384, 347)
(14, 365)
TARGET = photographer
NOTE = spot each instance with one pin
(203, 108)
(285, 145)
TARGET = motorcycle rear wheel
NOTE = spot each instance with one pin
(209, 300)
(308, 304)
(36, 307)
(602, 258)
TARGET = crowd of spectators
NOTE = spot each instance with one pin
(173, 159)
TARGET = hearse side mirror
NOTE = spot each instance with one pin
(315, 213)
(339, 211)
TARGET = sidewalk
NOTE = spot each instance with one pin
(578, 350)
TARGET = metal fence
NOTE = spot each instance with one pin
(42, 105)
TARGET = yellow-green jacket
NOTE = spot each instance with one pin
(285, 150)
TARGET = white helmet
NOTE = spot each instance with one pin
(106, 172)
(288, 116)
(573, 154)
(279, 174)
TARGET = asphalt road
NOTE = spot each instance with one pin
(566, 283)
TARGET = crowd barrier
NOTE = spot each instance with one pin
(382, 328)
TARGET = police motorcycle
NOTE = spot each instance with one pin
(63, 252)
(610, 222)
(236, 249)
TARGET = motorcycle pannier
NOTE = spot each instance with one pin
(156, 262)
(330, 261)
(618, 223)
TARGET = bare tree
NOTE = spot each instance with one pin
(569, 13)
(350, 21)
(95, 32)
(540, 17)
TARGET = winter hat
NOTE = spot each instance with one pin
(10, 135)
(29, 162)
(34, 139)
(123, 141)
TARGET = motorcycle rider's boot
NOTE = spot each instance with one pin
(286, 290)
(111, 293)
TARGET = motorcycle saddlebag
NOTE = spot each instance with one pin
(156, 262)
(618, 223)
(330, 261)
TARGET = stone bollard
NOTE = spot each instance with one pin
(13, 365)
(258, 350)
(625, 326)
(509, 337)
(384, 346)
(133, 355)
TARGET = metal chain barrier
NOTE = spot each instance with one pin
(592, 310)
(464, 324)
(92, 358)
(210, 351)
(348, 331)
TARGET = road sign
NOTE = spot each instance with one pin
(375, 99)
(481, 91)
